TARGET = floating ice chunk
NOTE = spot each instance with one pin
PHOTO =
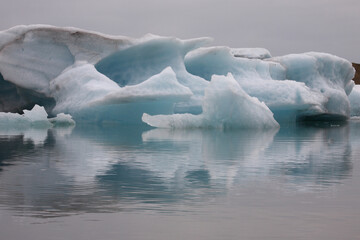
(13, 119)
(354, 98)
(37, 117)
(34, 118)
(225, 105)
(62, 120)
(36, 114)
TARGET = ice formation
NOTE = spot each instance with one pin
(225, 105)
(292, 86)
(166, 81)
(37, 117)
(355, 101)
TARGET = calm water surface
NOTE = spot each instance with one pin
(91, 182)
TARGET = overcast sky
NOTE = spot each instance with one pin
(282, 26)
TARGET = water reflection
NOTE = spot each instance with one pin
(15, 144)
(55, 172)
(312, 157)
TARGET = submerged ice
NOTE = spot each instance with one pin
(168, 82)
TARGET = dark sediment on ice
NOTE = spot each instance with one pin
(357, 73)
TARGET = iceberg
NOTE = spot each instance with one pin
(87, 94)
(62, 120)
(37, 117)
(354, 98)
(224, 105)
(294, 86)
(166, 81)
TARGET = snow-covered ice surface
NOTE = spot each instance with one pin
(168, 82)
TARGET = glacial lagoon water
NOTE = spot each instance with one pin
(112, 182)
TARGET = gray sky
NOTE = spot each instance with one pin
(282, 26)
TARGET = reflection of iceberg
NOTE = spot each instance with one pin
(311, 157)
(221, 154)
(354, 137)
(308, 157)
(107, 168)
(18, 143)
(98, 78)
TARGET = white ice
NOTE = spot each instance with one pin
(225, 105)
(355, 101)
(62, 120)
(83, 91)
(37, 117)
(96, 78)
(292, 86)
